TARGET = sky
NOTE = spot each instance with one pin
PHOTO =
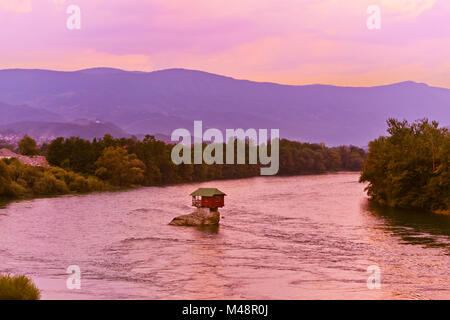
(283, 41)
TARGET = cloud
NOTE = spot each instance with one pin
(16, 5)
(289, 41)
(407, 7)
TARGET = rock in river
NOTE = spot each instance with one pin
(200, 217)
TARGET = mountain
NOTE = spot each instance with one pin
(161, 101)
(25, 113)
(80, 128)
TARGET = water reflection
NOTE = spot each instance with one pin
(209, 229)
(279, 238)
(415, 227)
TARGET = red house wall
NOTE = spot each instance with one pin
(211, 202)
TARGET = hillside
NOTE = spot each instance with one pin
(9, 113)
(81, 128)
(161, 101)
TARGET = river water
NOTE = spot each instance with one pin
(306, 237)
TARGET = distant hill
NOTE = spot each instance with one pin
(10, 113)
(81, 128)
(161, 101)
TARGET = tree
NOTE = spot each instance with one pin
(119, 167)
(74, 153)
(409, 168)
(28, 147)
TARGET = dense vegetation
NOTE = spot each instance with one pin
(80, 165)
(18, 288)
(148, 162)
(411, 167)
(20, 181)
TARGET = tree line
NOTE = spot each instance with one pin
(410, 168)
(79, 165)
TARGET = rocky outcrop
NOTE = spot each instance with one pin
(200, 217)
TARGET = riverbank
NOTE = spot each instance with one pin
(4, 201)
(21, 181)
(80, 166)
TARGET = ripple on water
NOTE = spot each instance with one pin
(281, 238)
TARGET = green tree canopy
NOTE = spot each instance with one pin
(28, 147)
(410, 168)
(119, 168)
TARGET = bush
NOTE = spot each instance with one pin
(80, 184)
(96, 184)
(16, 190)
(18, 180)
(18, 287)
(49, 185)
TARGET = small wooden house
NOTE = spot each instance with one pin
(211, 198)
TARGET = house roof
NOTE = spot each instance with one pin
(207, 192)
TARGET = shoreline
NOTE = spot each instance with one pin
(5, 202)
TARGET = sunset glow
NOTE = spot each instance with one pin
(289, 41)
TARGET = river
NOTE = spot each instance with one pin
(305, 237)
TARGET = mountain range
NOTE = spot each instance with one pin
(161, 101)
(82, 128)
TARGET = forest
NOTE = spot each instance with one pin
(81, 166)
(410, 168)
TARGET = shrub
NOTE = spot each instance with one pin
(96, 184)
(80, 184)
(49, 185)
(18, 287)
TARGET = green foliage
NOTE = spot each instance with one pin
(80, 185)
(81, 166)
(28, 147)
(73, 154)
(89, 158)
(8, 187)
(18, 181)
(410, 168)
(18, 287)
(306, 158)
(48, 184)
(119, 168)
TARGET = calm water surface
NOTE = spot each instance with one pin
(308, 237)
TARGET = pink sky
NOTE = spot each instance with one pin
(284, 41)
